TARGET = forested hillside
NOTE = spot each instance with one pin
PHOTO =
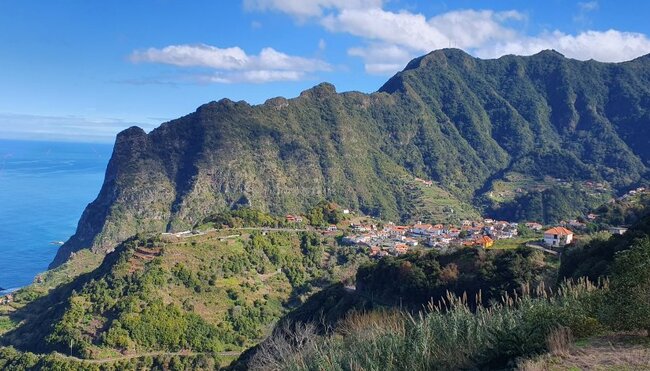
(484, 311)
(196, 299)
(467, 124)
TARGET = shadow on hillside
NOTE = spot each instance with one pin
(39, 316)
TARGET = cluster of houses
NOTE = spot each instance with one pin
(6, 299)
(290, 218)
(397, 239)
(632, 193)
(591, 217)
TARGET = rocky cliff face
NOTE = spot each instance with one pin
(449, 117)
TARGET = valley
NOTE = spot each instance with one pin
(465, 215)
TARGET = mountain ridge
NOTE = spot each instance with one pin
(460, 121)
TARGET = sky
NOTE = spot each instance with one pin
(79, 70)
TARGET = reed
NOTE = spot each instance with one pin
(448, 334)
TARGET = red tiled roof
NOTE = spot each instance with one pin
(560, 231)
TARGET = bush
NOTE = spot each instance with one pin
(449, 336)
(628, 302)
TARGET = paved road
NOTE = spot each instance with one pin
(263, 229)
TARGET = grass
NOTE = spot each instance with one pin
(436, 205)
(512, 243)
(608, 352)
(514, 183)
(447, 336)
(204, 253)
(6, 324)
(239, 287)
(84, 261)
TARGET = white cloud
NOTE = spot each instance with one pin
(194, 55)
(464, 28)
(233, 64)
(303, 9)
(588, 6)
(254, 77)
(382, 58)
(64, 128)
(584, 10)
(395, 38)
(392, 38)
(604, 46)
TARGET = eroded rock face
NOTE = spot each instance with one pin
(448, 117)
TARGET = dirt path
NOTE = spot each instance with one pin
(141, 355)
(611, 352)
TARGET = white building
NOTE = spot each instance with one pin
(558, 236)
(618, 230)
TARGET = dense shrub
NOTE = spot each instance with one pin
(448, 336)
(628, 302)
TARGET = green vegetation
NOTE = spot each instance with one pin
(243, 217)
(433, 203)
(186, 302)
(499, 328)
(546, 124)
(549, 206)
(325, 213)
(623, 212)
(514, 243)
(11, 359)
(629, 296)
(414, 280)
(594, 260)
(197, 296)
(447, 336)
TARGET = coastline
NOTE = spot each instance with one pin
(9, 290)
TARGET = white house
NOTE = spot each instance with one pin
(558, 236)
(618, 230)
(422, 229)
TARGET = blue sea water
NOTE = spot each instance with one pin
(44, 187)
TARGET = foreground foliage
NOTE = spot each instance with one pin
(447, 336)
(458, 334)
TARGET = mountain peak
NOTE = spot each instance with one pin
(130, 133)
(321, 90)
(549, 53)
(440, 56)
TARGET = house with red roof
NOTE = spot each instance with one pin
(484, 241)
(558, 236)
(401, 248)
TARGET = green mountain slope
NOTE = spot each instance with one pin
(210, 295)
(460, 121)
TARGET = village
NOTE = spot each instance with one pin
(391, 239)
(394, 240)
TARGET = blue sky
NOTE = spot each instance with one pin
(81, 70)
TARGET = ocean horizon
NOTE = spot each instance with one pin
(44, 188)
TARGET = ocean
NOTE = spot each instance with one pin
(44, 188)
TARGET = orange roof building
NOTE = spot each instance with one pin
(484, 241)
(557, 237)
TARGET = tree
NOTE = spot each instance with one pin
(629, 296)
